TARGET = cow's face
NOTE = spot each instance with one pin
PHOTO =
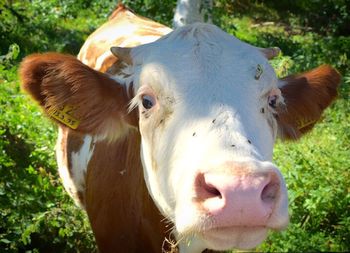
(206, 106)
(209, 108)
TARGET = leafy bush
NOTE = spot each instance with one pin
(158, 10)
(56, 25)
(330, 17)
(325, 16)
(35, 212)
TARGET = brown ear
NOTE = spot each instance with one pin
(75, 95)
(306, 96)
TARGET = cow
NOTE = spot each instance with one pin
(175, 135)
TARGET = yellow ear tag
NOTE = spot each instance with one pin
(65, 116)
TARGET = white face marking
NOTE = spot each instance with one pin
(205, 112)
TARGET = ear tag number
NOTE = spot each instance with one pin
(65, 116)
(259, 71)
(305, 123)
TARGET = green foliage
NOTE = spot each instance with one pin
(158, 10)
(330, 17)
(36, 215)
(56, 25)
(325, 16)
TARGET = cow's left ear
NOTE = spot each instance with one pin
(306, 96)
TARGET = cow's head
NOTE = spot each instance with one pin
(209, 110)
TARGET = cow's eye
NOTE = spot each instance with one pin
(273, 101)
(275, 98)
(148, 101)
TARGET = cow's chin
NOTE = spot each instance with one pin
(216, 237)
(234, 237)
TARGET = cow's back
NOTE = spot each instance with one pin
(123, 29)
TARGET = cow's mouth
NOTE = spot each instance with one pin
(239, 237)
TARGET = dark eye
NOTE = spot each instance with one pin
(148, 101)
(272, 101)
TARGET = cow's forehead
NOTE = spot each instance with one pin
(203, 54)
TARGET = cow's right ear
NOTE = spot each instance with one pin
(75, 95)
(306, 96)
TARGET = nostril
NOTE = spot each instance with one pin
(270, 192)
(205, 190)
(212, 190)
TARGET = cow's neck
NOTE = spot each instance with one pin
(123, 217)
(191, 11)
